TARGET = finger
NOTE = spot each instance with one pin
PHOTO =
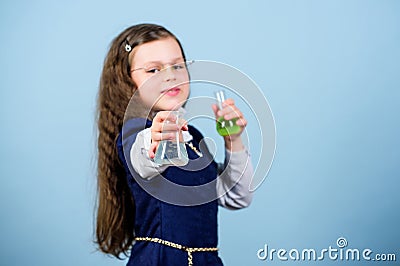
(152, 149)
(161, 116)
(160, 127)
(181, 124)
(185, 126)
(159, 136)
(226, 109)
(234, 113)
(241, 122)
(215, 109)
(230, 112)
(228, 101)
(166, 127)
(227, 105)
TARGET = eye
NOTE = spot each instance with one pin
(152, 70)
(179, 66)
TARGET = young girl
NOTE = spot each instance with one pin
(130, 218)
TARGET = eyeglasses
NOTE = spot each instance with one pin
(155, 68)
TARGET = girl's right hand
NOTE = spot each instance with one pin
(164, 127)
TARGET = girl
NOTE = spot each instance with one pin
(130, 218)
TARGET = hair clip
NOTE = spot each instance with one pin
(128, 47)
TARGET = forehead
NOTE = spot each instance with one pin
(163, 51)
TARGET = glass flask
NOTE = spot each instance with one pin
(172, 151)
(225, 127)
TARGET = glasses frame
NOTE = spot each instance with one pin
(165, 66)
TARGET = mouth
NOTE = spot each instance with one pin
(172, 91)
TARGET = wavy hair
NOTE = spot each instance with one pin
(115, 215)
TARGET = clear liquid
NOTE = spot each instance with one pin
(227, 127)
(171, 152)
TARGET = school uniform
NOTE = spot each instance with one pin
(178, 225)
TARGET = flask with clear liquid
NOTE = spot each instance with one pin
(225, 127)
(172, 151)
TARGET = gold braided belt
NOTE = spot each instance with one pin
(177, 246)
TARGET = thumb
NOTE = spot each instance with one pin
(215, 109)
(152, 150)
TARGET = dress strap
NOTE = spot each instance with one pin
(177, 246)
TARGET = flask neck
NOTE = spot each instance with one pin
(220, 96)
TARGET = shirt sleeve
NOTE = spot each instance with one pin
(140, 160)
(233, 183)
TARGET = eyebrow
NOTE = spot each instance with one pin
(159, 62)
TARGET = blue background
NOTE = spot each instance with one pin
(330, 70)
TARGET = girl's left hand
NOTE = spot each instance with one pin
(230, 111)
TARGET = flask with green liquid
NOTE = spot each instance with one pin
(225, 127)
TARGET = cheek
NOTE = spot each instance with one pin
(186, 89)
(139, 78)
(145, 88)
(138, 82)
(148, 96)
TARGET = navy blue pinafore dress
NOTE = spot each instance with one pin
(190, 226)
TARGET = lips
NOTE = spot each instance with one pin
(172, 91)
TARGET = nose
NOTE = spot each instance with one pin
(169, 74)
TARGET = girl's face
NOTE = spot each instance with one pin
(159, 71)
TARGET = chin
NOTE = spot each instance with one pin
(173, 105)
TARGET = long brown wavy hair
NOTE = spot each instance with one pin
(115, 217)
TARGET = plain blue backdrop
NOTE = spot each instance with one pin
(330, 71)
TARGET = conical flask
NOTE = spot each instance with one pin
(172, 151)
(225, 127)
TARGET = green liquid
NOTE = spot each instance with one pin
(227, 127)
